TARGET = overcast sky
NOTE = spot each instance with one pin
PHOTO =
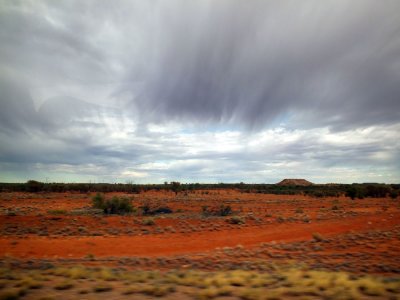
(200, 91)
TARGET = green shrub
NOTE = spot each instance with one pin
(98, 201)
(115, 205)
(118, 205)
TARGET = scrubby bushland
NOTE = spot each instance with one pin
(377, 190)
(221, 210)
(317, 190)
(354, 192)
(115, 205)
(322, 193)
(369, 190)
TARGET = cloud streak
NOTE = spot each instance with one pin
(318, 65)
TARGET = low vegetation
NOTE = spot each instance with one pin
(284, 282)
(115, 205)
(149, 209)
(219, 210)
(236, 220)
(317, 190)
(148, 222)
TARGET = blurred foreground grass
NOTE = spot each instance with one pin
(80, 282)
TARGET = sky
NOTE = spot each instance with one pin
(200, 91)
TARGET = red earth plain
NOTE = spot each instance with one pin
(361, 236)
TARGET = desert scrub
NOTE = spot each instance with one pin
(12, 293)
(57, 212)
(283, 282)
(221, 210)
(236, 220)
(98, 201)
(115, 205)
(157, 290)
(90, 256)
(102, 287)
(318, 237)
(30, 283)
(148, 222)
(213, 292)
(64, 285)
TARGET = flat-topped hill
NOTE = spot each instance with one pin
(301, 182)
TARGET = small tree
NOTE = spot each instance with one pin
(176, 187)
(33, 186)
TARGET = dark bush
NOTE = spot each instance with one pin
(355, 192)
(162, 210)
(377, 190)
(148, 210)
(115, 205)
(224, 210)
(33, 186)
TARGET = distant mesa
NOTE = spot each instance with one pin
(301, 182)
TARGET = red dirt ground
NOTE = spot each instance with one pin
(171, 244)
(35, 232)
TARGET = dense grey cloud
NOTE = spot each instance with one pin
(200, 90)
(321, 64)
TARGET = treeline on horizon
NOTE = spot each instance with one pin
(355, 190)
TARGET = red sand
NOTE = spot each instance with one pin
(176, 243)
(262, 213)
